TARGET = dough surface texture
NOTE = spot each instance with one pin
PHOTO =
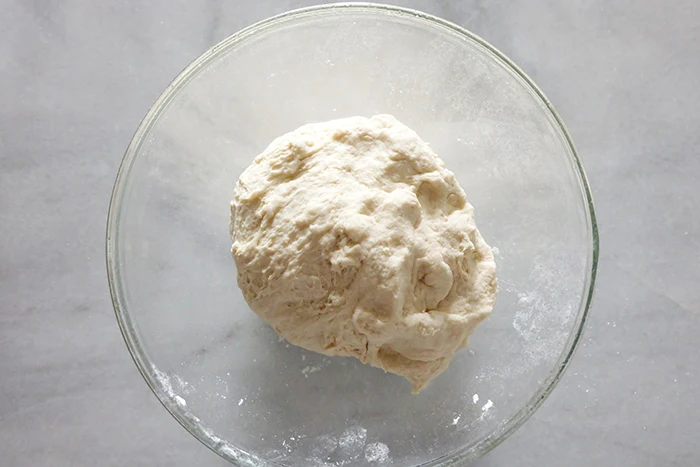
(352, 238)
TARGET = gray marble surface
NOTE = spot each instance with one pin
(75, 79)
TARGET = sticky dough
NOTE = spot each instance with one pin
(352, 238)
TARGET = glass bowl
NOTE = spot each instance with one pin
(225, 375)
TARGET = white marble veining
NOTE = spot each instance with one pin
(75, 79)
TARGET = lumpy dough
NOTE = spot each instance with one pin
(352, 238)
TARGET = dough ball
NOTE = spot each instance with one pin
(352, 238)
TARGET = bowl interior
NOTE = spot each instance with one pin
(222, 372)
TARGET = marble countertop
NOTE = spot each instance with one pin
(76, 78)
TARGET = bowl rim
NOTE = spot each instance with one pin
(158, 382)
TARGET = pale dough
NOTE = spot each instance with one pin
(352, 238)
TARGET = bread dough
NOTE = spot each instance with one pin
(352, 238)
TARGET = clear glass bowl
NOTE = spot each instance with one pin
(227, 377)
